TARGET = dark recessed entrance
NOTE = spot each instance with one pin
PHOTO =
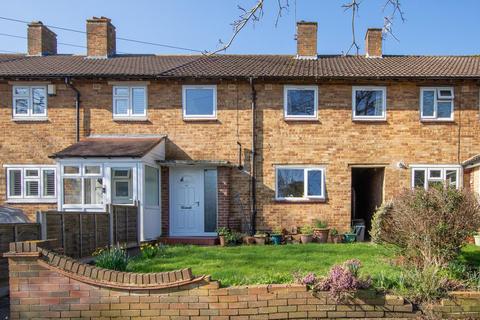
(367, 194)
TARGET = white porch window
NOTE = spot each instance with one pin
(436, 104)
(82, 185)
(369, 103)
(129, 102)
(29, 102)
(300, 102)
(31, 183)
(200, 102)
(300, 183)
(122, 191)
(429, 176)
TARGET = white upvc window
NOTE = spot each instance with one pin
(129, 102)
(82, 185)
(369, 103)
(436, 104)
(199, 102)
(299, 183)
(31, 183)
(425, 176)
(300, 102)
(29, 102)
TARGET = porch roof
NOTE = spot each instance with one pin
(110, 147)
(216, 163)
(472, 161)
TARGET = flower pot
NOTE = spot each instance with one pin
(477, 240)
(350, 237)
(260, 240)
(306, 238)
(321, 235)
(249, 240)
(222, 241)
(276, 239)
(338, 238)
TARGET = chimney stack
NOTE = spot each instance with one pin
(41, 40)
(101, 42)
(373, 43)
(307, 40)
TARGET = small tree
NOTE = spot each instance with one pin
(429, 227)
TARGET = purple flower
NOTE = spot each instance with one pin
(309, 279)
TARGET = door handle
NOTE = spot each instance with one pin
(184, 207)
(198, 203)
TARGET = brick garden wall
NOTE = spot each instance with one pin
(44, 285)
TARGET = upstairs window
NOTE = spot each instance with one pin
(34, 184)
(200, 102)
(300, 183)
(436, 104)
(369, 103)
(300, 102)
(129, 102)
(426, 177)
(29, 102)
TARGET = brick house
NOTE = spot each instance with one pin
(244, 141)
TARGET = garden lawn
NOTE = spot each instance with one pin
(267, 264)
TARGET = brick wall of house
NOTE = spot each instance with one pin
(334, 141)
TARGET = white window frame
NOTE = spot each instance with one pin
(129, 115)
(23, 198)
(212, 116)
(444, 168)
(382, 117)
(128, 179)
(287, 88)
(82, 175)
(436, 99)
(29, 115)
(306, 169)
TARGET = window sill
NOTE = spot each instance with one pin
(130, 119)
(32, 200)
(369, 119)
(200, 119)
(300, 201)
(437, 120)
(301, 119)
(30, 119)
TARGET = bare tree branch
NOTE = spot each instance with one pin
(354, 5)
(396, 10)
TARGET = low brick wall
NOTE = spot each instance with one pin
(44, 285)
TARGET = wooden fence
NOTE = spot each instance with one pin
(81, 233)
(12, 232)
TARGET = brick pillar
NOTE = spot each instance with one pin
(223, 189)
(165, 201)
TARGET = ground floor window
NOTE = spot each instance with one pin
(31, 183)
(426, 177)
(82, 185)
(122, 192)
(300, 183)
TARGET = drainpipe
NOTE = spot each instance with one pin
(253, 177)
(77, 108)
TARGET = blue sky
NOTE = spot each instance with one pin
(435, 27)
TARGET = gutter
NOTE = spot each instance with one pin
(77, 108)
(253, 173)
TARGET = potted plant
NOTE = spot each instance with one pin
(276, 236)
(350, 236)
(260, 237)
(306, 234)
(248, 239)
(476, 236)
(321, 231)
(335, 236)
(223, 233)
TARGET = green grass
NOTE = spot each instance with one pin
(275, 264)
(470, 255)
(266, 264)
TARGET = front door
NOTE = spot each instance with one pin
(187, 202)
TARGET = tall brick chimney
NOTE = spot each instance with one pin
(373, 43)
(101, 42)
(307, 39)
(41, 40)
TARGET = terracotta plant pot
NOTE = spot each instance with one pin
(306, 238)
(249, 240)
(222, 241)
(321, 235)
(338, 238)
(260, 240)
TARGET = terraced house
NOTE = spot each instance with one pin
(246, 141)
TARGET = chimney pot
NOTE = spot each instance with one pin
(41, 40)
(373, 43)
(101, 37)
(307, 40)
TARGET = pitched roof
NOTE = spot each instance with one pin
(238, 66)
(121, 147)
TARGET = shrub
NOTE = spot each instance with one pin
(306, 229)
(429, 227)
(114, 258)
(149, 251)
(320, 224)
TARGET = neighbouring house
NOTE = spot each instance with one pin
(251, 142)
